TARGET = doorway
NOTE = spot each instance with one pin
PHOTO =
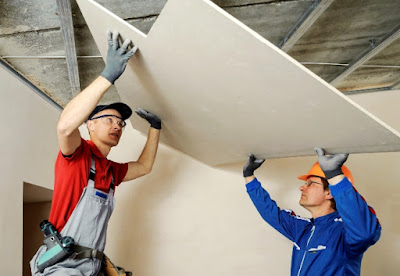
(37, 203)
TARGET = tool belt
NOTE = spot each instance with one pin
(107, 267)
(78, 252)
(82, 252)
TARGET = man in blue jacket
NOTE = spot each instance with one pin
(342, 226)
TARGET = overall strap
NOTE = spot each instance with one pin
(92, 174)
(112, 180)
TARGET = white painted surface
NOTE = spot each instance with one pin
(186, 218)
(384, 105)
(28, 149)
(223, 91)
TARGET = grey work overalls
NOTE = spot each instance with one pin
(87, 225)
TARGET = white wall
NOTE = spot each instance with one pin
(28, 151)
(185, 218)
(189, 219)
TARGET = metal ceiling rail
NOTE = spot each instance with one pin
(304, 23)
(64, 7)
(368, 90)
(367, 55)
(346, 64)
(30, 85)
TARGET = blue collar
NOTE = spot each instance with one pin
(326, 218)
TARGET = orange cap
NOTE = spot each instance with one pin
(317, 171)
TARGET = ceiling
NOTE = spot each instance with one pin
(354, 45)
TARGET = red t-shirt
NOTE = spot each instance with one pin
(71, 177)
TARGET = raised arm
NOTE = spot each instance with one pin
(76, 112)
(79, 108)
(284, 221)
(360, 222)
(146, 160)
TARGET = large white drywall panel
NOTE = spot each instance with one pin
(384, 105)
(224, 91)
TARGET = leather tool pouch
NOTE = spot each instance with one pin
(109, 269)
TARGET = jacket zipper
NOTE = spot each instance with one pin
(305, 251)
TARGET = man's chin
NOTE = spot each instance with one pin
(113, 143)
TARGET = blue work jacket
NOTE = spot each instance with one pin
(329, 245)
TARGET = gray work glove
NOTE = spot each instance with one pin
(251, 165)
(117, 57)
(154, 121)
(331, 165)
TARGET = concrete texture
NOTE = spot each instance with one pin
(339, 35)
(344, 32)
(272, 21)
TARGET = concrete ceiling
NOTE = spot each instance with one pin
(352, 44)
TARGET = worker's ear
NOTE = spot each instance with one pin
(328, 195)
(90, 126)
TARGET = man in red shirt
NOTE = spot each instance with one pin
(85, 179)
